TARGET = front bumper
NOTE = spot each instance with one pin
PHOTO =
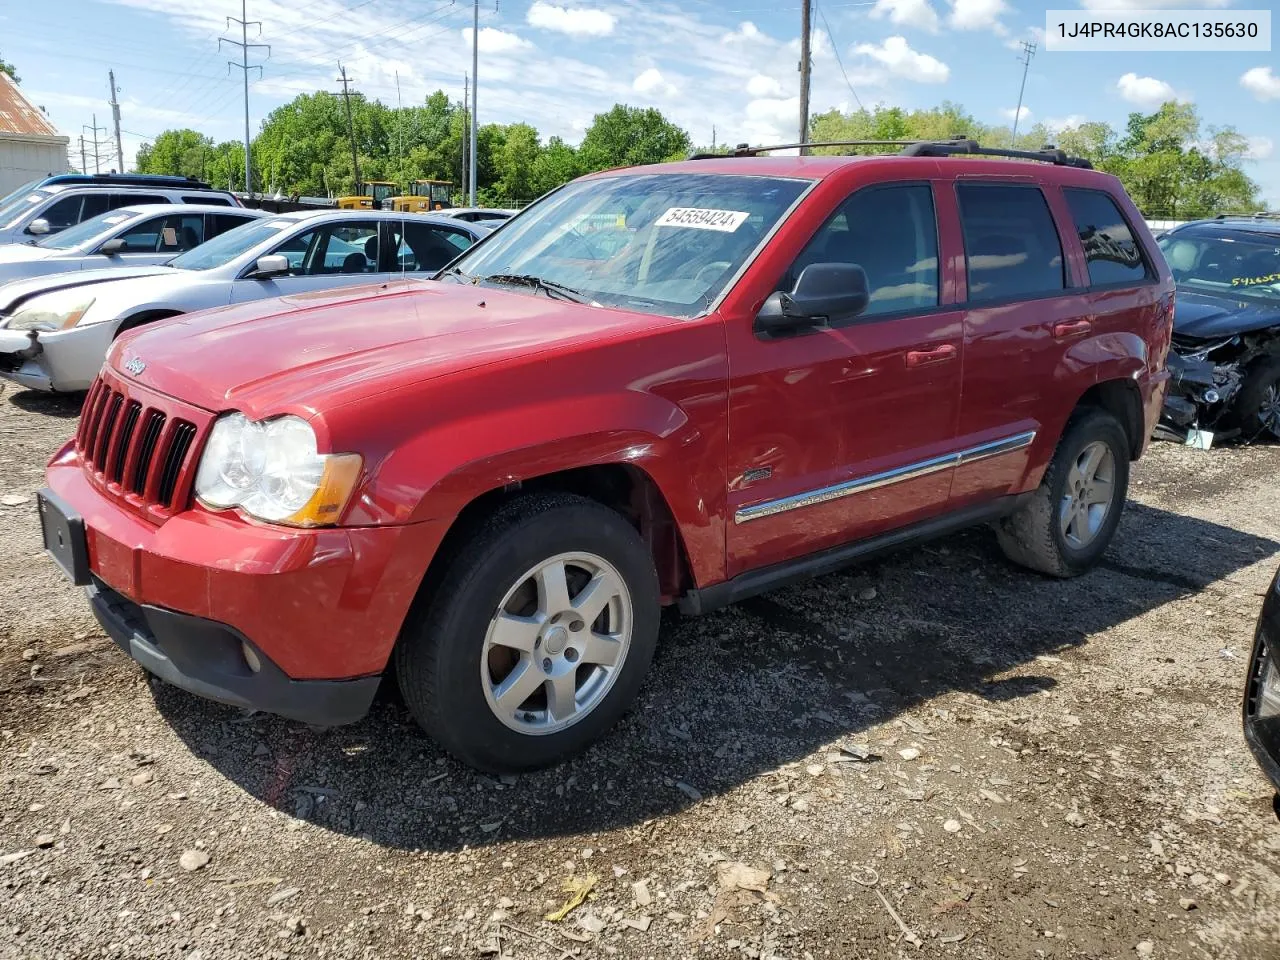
(185, 596)
(1262, 689)
(215, 661)
(62, 360)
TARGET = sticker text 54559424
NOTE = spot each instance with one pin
(699, 218)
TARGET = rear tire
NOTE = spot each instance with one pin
(1067, 524)
(536, 636)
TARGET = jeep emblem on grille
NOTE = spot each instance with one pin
(135, 366)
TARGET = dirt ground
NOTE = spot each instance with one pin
(935, 755)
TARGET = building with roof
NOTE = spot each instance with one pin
(30, 146)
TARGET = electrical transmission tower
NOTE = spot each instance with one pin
(1028, 52)
(97, 158)
(245, 46)
(351, 128)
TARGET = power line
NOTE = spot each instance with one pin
(245, 46)
(836, 50)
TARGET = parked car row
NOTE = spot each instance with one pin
(678, 385)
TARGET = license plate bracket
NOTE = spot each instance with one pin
(64, 537)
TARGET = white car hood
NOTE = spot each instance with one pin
(25, 253)
(14, 292)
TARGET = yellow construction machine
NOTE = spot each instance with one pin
(373, 196)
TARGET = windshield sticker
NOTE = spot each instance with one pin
(698, 218)
(1255, 281)
(118, 218)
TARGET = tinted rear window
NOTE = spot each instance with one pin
(1011, 244)
(211, 199)
(1112, 253)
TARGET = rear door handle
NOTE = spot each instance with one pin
(1071, 328)
(918, 358)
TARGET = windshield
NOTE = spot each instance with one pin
(1233, 266)
(665, 244)
(27, 187)
(85, 230)
(226, 247)
(12, 214)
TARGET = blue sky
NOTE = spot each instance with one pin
(554, 63)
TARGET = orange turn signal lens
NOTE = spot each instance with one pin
(337, 484)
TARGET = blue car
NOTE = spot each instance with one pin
(1225, 358)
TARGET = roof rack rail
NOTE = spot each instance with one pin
(746, 150)
(947, 148)
(1260, 215)
(918, 148)
(128, 179)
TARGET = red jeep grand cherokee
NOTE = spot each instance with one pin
(680, 384)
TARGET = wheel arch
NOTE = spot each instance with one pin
(140, 317)
(1121, 398)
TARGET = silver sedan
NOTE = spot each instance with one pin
(55, 330)
(125, 237)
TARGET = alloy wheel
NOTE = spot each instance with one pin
(1087, 500)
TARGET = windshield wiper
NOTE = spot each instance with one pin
(550, 287)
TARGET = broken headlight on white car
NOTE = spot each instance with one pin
(51, 311)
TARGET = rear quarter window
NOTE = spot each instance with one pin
(1110, 249)
(1011, 244)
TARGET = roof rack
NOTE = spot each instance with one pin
(129, 179)
(1260, 215)
(920, 148)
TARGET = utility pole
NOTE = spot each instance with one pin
(84, 166)
(1028, 51)
(804, 76)
(466, 118)
(475, 87)
(95, 128)
(351, 127)
(245, 46)
(713, 138)
(115, 117)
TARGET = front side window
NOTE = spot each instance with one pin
(1010, 242)
(346, 247)
(892, 234)
(182, 233)
(226, 247)
(665, 244)
(1110, 250)
(145, 237)
(84, 231)
(1231, 264)
(63, 213)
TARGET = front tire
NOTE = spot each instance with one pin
(535, 637)
(1257, 405)
(1067, 524)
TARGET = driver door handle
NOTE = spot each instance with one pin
(919, 358)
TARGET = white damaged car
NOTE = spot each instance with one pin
(137, 236)
(55, 330)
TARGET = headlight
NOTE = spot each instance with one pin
(51, 311)
(271, 471)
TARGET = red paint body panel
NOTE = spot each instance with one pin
(449, 392)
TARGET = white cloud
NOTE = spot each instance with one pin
(978, 15)
(762, 86)
(1262, 83)
(1070, 122)
(575, 21)
(493, 40)
(907, 13)
(1022, 113)
(1144, 91)
(1150, 4)
(653, 83)
(746, 31)
(904, 62)
(1260, 148)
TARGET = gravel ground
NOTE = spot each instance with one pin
(936, 755)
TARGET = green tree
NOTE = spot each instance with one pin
(627, 136)
(556, 164)
(179, 153)
(10, 69)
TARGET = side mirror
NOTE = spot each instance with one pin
(39, 226)
(825, 293)
(112, 246)
(273, 264)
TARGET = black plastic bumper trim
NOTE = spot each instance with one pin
(206, 658)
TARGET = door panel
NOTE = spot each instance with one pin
(835, 434)
(1025, 312)
(341, 254)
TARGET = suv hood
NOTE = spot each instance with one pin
(1202, 316)
(319, 350)
(16, 291)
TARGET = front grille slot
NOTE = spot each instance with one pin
(105, 429)
(179, 446)
(146, 450)
(115, 471)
